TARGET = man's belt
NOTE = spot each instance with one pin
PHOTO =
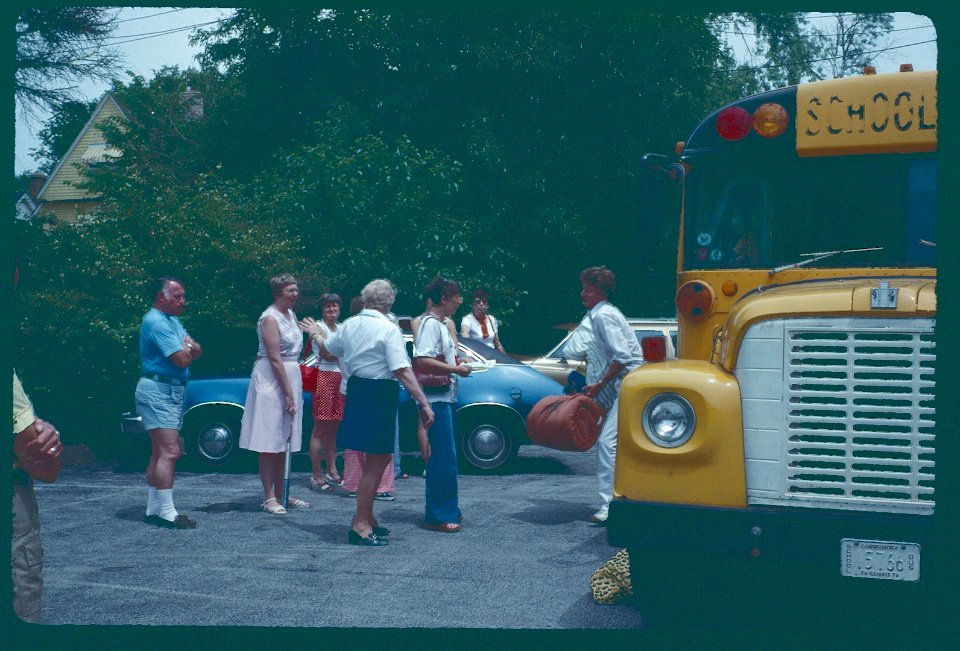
(166, 379)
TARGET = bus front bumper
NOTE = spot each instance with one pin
(767, 560)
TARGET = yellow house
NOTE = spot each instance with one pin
(60, 195)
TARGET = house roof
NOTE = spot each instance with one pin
(88, 147)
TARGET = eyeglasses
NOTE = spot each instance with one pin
(479, 301)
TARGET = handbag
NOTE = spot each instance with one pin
(569, 423)
(431, 382)
(308, 371)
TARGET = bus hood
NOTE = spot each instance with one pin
(890, 298)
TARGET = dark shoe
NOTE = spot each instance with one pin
(445, 527)
(370, 541)
(386, 497)
(180, 522)
(352, 494)
(381, 531)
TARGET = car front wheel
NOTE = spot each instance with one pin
(486, 443)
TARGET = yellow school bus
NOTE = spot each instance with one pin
(786, 458)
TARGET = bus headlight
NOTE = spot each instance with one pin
(669, 420)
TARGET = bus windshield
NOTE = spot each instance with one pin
(763, 213)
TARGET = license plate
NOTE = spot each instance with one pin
(878, 559)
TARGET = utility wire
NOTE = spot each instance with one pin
(131, 38)
(796, 63)
(899, 29)
(162, 13)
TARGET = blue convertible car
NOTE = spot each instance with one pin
(491, 410)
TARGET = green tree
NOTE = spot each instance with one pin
(853, 40)
(546, 112)
(56, 48)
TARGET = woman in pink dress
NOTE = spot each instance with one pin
(271, 413)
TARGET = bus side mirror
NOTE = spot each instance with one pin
(660, 169)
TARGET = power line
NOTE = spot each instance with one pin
(795, 63)
(899, 29)
(162, 13)
(131, 38)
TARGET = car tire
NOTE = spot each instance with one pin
(486, 442)
(212, 438)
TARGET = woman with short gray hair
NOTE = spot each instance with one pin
(378, 294)
(373, 353)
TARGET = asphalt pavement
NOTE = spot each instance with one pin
(522, 561)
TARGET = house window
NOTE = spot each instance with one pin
(100, 153)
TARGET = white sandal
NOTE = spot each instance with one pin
(294, 503)
(276, 509)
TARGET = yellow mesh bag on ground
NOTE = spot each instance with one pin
(611, 582)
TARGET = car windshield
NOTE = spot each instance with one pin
(484, 351)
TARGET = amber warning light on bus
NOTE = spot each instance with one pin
(768, 121)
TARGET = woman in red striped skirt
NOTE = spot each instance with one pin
(327, 405)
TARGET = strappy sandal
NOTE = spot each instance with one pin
(330, 479)
(276, 509)
(294, 503)
(320, 486)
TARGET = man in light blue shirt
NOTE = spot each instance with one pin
(166, 352)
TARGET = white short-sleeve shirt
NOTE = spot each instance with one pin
(433, 339)
(369, 346)
(475, 330)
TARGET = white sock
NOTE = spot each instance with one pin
(153, 504)
(165, 499)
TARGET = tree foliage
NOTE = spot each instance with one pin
(545, 112)
(854, 40)
(58, 47)
(789, 49)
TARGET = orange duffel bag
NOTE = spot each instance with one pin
(565, 422)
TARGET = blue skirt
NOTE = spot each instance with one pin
(370, 416)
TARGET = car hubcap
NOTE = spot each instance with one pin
(216, 442)
(486, 446)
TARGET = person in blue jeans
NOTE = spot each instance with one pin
(435, 353)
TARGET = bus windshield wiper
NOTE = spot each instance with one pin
(819, 255)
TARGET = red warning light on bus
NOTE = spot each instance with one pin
(733, 123)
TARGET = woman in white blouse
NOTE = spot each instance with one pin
(480, 325)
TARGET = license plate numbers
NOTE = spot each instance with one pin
(878, 559)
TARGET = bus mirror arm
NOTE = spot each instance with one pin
(819, 255)
(663, 170)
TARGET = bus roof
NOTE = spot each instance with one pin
(869, 114)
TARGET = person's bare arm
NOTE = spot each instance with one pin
(271, 341)
(38, 450)
(432, 365)
(409, 381)
(612, 372)
(191, 350)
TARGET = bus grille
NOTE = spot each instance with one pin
(855, 416)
